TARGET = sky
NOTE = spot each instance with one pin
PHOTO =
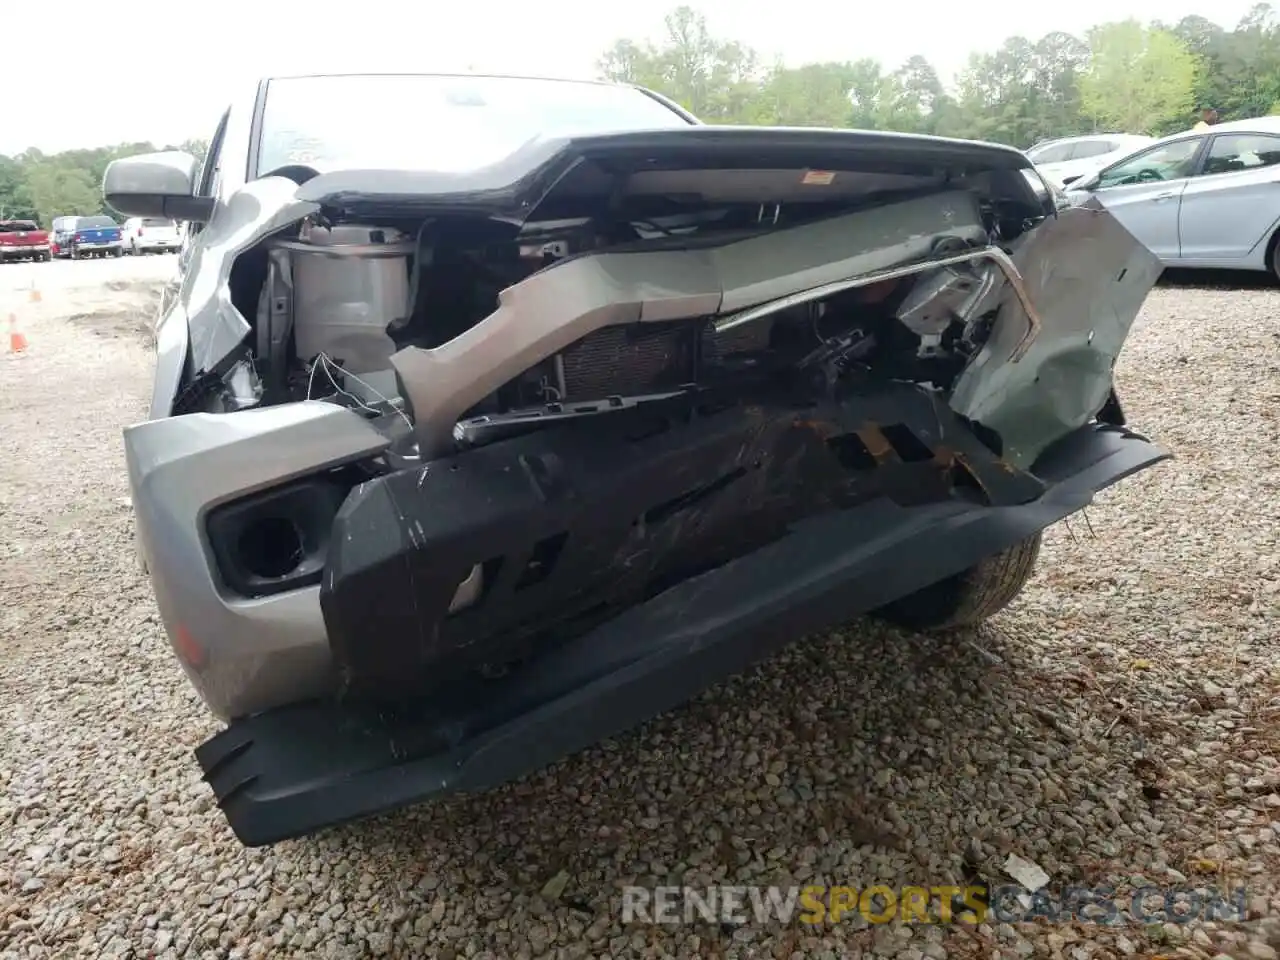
(143, 70)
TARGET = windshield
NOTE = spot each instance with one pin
(17, 226)
(90, 223)
(438, 122)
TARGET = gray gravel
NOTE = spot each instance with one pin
(1131, 733)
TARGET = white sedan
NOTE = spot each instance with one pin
(1070, 158)
(1207, 198)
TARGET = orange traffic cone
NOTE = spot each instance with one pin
(35, 296)
(17, 339)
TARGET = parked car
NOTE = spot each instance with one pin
(23, 240)
(80, 237)
(477, 439)
(150, 235)
(1068, 159)
(60, 231)
(1206, 198)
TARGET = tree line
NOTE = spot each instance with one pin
(39, 186)
(1123, 76)
(1119, 77)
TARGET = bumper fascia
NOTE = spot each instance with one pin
(241, 655)
(297, 769)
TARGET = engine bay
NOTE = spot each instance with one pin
(333, 299)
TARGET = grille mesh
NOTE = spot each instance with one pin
(628, 360)
(748, 338)
(649, 357)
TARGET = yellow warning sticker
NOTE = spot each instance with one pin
(817, 178)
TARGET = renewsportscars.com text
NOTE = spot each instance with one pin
(936, 904)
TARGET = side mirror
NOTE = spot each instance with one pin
(156, 185)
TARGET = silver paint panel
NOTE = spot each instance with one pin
(1088, 278)
(256, 653)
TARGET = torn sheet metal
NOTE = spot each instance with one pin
(553, 308)
(1088, 277)
(211, 322)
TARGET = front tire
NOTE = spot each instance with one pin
(971, 597)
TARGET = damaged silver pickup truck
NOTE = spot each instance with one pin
(480, 437)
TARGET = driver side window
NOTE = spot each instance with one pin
(1168, 161)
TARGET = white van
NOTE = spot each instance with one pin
(150, 235)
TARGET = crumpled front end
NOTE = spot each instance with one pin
(299, 768)
(407, 443)
(1087, 278)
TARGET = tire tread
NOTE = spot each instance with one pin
(971, 597)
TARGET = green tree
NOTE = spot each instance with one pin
(911, 98)
(628, 62)
(1212, 47)
(197, 148)
(998, 99)
(57, 188)
(1139, 79)
(15, 200)
(1249, 65)
(866, 78)
(1124, 76)
(816, 94)
(714, 79)
(1058, 59)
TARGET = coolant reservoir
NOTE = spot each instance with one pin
(349, 283)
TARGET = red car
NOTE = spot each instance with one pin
(23, 240)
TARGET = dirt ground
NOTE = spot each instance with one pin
(1119, 725)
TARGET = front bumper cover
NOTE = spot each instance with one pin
(573, 524)
(297, 769)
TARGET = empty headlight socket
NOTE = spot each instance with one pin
(277, 540)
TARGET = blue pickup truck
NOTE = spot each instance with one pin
(80, 237)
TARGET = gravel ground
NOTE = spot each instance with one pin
(1130, 733)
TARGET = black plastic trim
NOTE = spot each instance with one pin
(298, 769)
(647, 496)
